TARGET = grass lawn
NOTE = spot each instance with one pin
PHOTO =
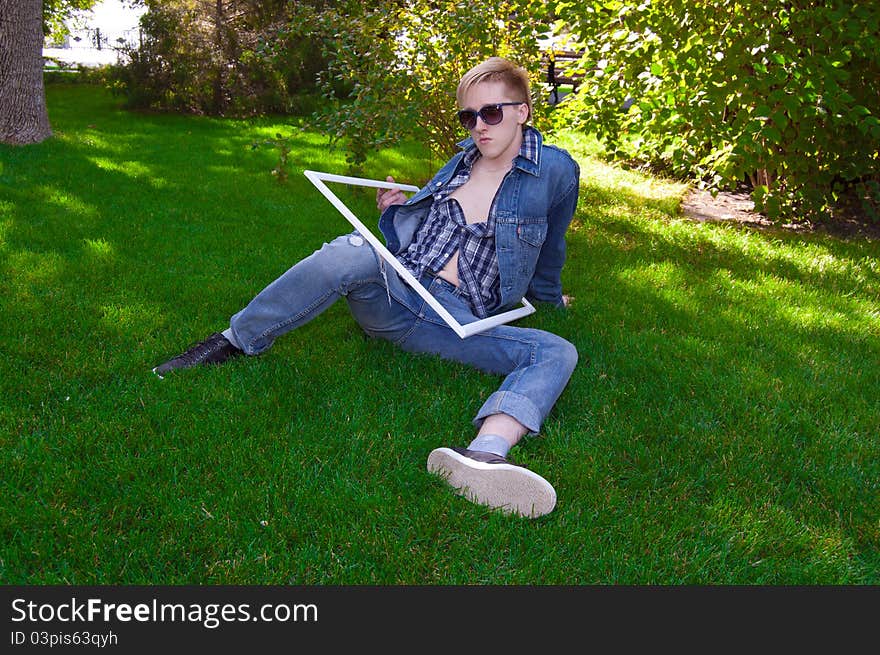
(723, 426)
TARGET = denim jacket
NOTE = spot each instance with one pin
(536, 202)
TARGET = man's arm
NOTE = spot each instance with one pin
(546, 284)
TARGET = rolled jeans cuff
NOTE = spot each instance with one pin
(514, 405)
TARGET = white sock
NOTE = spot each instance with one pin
(490, 443)
(230, 338)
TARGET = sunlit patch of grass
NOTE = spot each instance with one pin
(100, 249)
(134, 316)
(67, 203)
(30, 269)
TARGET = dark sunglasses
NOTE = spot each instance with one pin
(491, 114)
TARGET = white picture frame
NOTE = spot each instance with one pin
(469, 329)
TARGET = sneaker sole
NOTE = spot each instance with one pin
(512, 489)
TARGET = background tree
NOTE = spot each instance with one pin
(23, 24)
(56, 13)
(23, 115)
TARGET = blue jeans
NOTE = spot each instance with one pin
(536, 364)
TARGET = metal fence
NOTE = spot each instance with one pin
(90, 47)
(98, 39)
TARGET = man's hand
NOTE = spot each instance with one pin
(387, 197)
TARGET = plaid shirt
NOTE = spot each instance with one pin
(445, 231)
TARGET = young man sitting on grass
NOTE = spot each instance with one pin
(486, 231)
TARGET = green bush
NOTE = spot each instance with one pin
(214, 58)
(785, 95)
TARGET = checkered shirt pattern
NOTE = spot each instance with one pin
(445, 231)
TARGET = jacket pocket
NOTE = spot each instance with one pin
(532, 233)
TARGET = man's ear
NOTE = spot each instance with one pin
(523, 114)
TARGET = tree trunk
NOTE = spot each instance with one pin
(23, 115)
(219, 100)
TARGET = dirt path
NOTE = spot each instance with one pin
(737, 207)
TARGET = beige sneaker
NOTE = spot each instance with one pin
(489, 479)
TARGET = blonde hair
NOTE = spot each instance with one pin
(497, 69)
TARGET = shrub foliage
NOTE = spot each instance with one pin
(221, 57)
(785, 95)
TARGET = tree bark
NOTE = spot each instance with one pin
(23, 115)
(219, 100)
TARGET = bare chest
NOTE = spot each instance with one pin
(477, 194)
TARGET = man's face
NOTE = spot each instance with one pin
(501, 141)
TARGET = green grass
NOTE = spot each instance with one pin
(721, 428)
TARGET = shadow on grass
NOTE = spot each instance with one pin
(728, 354)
